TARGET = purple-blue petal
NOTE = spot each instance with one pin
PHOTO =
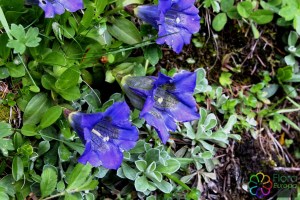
(118, 113)
(106, 154)
(183, 113)
(72, 6)
(80, 121)
(148, 13)
(53, 7)
(185, 82)
(164, 5)
(155, 119)
(58, 8)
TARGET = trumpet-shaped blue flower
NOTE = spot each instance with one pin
(165, 100)
(53, 7)
(105, 135)
(176, 21)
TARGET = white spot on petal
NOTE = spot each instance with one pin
(105, 139)
(160, 100)
(177, 20)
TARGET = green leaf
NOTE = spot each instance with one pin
(5, 146)
(44, 146)
(163, 186)
(244, 8)
(68, 78)
(29, 130)
(288, 12)
(3, 196)
(290, 90)
(284, 73)
(141, 184)
(70, 94)
(4, 51)
(125, 31)
(17, 31)
(22, 40)
(55, 58)
(50, 116)
(254, 31)
(226, 5)
(32, 39)
(219, 21)
(48, 81)
(129, 172)
(15, 71)
(5, 129)
(3, 73)
(63, 152)
(206, 155)
(172, 165)
(296, 23)
(17, 168)
(152, 155)
(152, 53)
(262, 16)
(6, 182)
(49, 180)
(18, 46)
(36, 108)
(225, 79)
(100, 6)
(155, 175)
(151, 167)
(292, 39)
(78, 176)
(141, 165)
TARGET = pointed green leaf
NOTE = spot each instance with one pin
(17, 168)
(49, 180)
(125, 31)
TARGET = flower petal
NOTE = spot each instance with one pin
(184, 82)
(58, 8)
(48, 8)
(155, 119)
(80, 121)
(148, 13)
(184, 4)
(73, 5)
(118, 113)
(107, 155)
(183, 113)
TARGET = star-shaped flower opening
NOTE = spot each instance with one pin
(176, 21)
(169, 100)
(105, 135)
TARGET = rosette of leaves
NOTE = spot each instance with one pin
(149, 168)
(205, 136)
(294, 51)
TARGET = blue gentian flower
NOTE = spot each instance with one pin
(165, 100)
(176, 21)
(105, 135)
(53, 7)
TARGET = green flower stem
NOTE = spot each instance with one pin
(293, 102)
(27, 70)
(54, 196)
(146, 65)
(179, 182)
